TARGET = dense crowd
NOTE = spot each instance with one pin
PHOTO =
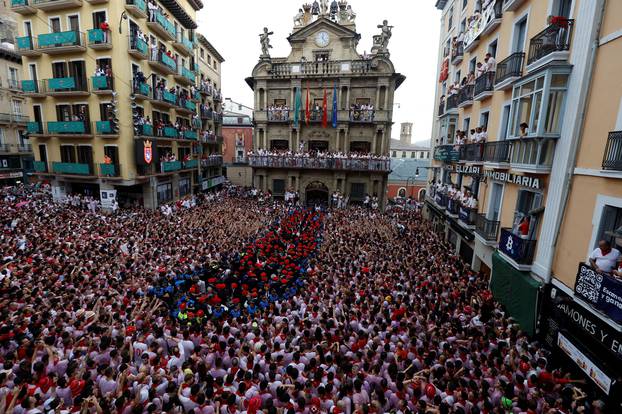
(383, 317)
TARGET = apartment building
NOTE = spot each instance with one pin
(526, 134)
(86, 64)
(15, 150)
(350, 102)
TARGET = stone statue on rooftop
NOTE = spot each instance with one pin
(264, 39)
(299, 18)
(315, 9)
(346, 14)
(334, 9)
(385, 36)
(324, 7)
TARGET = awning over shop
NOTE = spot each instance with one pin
(517, 291)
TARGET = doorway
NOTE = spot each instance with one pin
(316, 193)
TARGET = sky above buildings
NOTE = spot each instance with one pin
(233, 27)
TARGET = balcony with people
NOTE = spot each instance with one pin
(23, 7)
(159, 24)
(100, 38)
(109, 169)
(517, 245)
(551, 44)
(137, 8)
(363, 113)
(185, 76)
(49, 5)
(485, 78)
(163, 60)
(138, 46)
(278, 113)
(70, 41)
(487, 229)
(612, 157)
(27, 46)
(102, 82)
(486, 19)
(320, 160)
(322, 67)
(211, 160)
(457, 49)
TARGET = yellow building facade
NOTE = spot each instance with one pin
(116, 97)
(526, 162)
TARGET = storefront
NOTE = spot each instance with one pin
(582, 338)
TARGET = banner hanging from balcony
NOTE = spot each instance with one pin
(444, 71)
(478, 22)
(600, 290)
(297, 106)
(334, 106)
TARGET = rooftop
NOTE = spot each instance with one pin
(404, 168)
(396, 144)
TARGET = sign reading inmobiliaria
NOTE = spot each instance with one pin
(522, 180)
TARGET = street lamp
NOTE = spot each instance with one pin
(123, 17)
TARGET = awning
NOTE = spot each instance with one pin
(179, 13)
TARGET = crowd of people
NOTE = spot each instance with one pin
(231, 305)
(278, 112)
(457, 200)
(319, 159)
(487, 68)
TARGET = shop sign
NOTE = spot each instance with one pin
(107, 198)
(600, 290)
(522, 180)
(6, 176)
(578, 320)
(465, 169)
(212, 182)
(586, 365)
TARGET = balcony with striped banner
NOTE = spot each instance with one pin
(23, 7)
(68, 86)
(138, 47)
(137, 8)
(162, 26)
(105, 129)
(99, 39)
(71, 41)
(73, 129)
(33, 89)
(27, 46)
(48, 5)
(162, 62)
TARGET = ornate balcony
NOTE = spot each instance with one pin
(163, 99)
(102, 85)
(138, 47)
(487, 230)
(33, 89)
(183, 45)
(68, 86)
(72, 168)
(48, 5)
(472, 152)
(509, 70)
(551, 44)
(446, 153)
(61, 42)
(484, 86)
(162, 26)
(314, 69)
(137, 8)
(278, 115)
(23, 7)
(162, 62)
(212, 161)
(313, 163)
(99, 39)
(452, 104)
(142, 91)
(27, 46)
(518, 250)
(612, 158)
(359, 116)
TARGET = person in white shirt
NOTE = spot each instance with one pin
(604, 258)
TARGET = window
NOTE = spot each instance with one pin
(538, 98)
(394, 154)
(67, 153)
(483, 119)
(403, 154)
(472, 65)
(505, 117)
(450, 18)
(466, 123)
(13, 77)
(492, 48)
(562, 8)
(278, 187)
(184, 186)
(209, 60)
(17, 106)
(610, 220)
(55, 24)
(2, 136)
(165, 192)
(457, 77)
(215, 65)
(413, 154)
(464, 4)
(463, 25)
(496, 197)
(202, 53)
(525, 218)
(520, 34)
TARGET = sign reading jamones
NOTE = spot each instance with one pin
(522, 180)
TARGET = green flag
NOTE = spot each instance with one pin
(297, 106)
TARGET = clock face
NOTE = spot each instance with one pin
(322, 39)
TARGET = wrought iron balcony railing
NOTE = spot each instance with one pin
(327, 163)
(612, 158)
(555, 38)
(510, 67)
(487, 229)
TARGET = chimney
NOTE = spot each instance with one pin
(406, 132)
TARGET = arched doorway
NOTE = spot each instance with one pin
(316, 193)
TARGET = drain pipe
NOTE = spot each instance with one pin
(576, 141)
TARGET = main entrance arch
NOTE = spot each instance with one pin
(316, 193)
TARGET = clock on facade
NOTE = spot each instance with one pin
(322, 39)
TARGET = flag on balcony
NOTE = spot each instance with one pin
(324, 111)
(297, 107)
(307, 114)
(334, 105)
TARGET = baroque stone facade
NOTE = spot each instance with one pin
(323, 61)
